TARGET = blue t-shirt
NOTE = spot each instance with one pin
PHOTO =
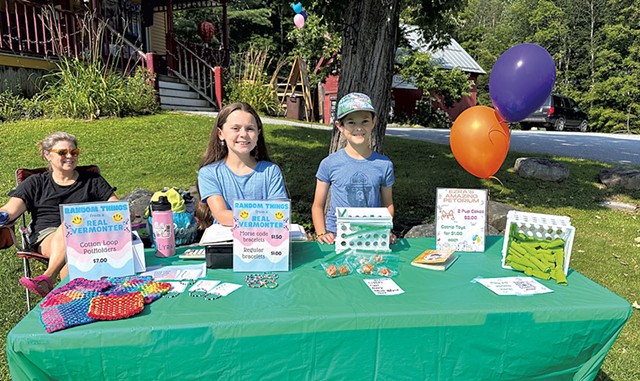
(264, 183)
(353, 182)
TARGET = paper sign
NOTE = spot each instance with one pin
(514, 285)
(461, 217)
(182, 272)
(261, 235)
(98, 238)
(384, 286)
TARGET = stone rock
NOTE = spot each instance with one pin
(139, 200)
(541, 169)
(623, 177)
(497, 216)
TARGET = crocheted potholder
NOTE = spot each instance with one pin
(109, 307)
(151, 290)
(76, 289)
(66, 315)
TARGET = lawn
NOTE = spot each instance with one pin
(164, 150)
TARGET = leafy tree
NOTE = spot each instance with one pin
(446, 86)
(370, 35)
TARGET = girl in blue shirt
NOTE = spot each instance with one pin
(236, 166)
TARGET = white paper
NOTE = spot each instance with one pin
(178, 272)
(225, 289)
(206, 285)
(216, 233)
(177, 286)
(384, 286)
(514, 285)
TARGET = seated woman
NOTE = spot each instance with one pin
(236, 166)
(42, 194)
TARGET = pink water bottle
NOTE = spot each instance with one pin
(162, 218)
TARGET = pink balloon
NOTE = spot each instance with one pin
(298, 20)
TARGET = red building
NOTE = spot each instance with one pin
(404, 94)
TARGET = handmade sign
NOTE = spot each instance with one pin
(461, 217)
(98, 238)
(261, 235)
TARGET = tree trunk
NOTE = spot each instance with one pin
(369, 41)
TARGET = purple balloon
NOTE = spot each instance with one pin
(304, 15)
(521, 80)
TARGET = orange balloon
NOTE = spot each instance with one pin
(480, 140)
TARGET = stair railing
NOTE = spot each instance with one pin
(196, 72)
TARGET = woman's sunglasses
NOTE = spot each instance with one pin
(64, 152)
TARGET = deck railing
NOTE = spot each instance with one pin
(199, 74)
(36, 30)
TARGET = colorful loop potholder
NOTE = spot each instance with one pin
(76, 289)
(151, 290)
(110, 307)
(66, 315)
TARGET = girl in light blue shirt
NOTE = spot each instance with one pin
(236, 166)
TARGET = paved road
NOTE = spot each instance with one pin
(608, 148)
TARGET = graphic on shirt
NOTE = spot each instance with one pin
(359, 190)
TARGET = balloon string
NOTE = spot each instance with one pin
(498, 180)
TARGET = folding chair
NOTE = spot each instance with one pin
(25, 251)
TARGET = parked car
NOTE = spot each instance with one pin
(558, 113)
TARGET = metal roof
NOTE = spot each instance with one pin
(450, 57)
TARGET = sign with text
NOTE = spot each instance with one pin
(461, 217)
(98, 237)
(261, 235)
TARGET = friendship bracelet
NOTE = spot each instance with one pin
(266, 280)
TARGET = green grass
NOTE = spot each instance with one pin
(164, 150)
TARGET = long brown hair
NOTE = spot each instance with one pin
(217, 151)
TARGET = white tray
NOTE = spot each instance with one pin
(541, 226)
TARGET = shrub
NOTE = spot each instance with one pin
(14, 107)
(138, 96)
(248, 82)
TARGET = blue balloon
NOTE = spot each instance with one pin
(304, 15)
(521, 80)
(297, 7)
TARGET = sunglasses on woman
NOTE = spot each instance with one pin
(64, 152)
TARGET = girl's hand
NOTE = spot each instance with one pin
(392, 238)
(325, 238)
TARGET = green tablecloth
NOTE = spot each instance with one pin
(444, 327)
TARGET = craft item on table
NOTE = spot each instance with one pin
(435, 259)
(385, 265)
(150, 289)
(363, 230)
(83, 301)
(337, 266)
(538, 245)
(266, 280)
(114, 307)
(78, 288)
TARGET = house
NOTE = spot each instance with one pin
(452, 56)
(137, 33)
(404, 94)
